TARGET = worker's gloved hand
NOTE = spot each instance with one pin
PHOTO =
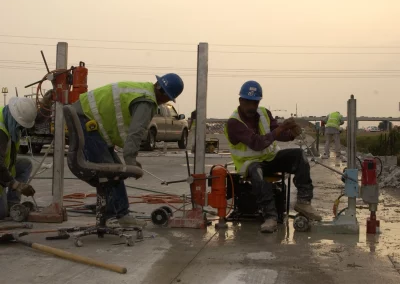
(296, 131)
(289, 124)
(23, 188)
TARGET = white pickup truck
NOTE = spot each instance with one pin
(168, 126)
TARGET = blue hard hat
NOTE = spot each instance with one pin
(251, 90)
(172, 85)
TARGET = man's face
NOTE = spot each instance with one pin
(161, 97)
(249, 107)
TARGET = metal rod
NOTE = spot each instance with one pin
(187, 162)
(163, 181)
(45, 62)
(16, 91)
(315, 161)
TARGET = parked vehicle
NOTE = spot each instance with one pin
(168, 126)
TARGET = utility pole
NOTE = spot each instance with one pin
(4, 91)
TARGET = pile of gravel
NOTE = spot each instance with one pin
(390, 177)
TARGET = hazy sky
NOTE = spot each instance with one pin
(295, 49)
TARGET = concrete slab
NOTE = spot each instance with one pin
(239, 254)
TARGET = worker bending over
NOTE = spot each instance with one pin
(118, 115)
(332, 129)
(252, 131)
(20, 113)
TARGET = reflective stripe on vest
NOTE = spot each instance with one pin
(97, 117)
(242, 155)
(113, 117)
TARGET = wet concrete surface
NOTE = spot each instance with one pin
(240, 254)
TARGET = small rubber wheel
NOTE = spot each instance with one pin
(169, 210)
(129, 241)
(301, 223)
(159, 217)
(19, 212)
(78, 243)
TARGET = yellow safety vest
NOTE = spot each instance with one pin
(109, 106)
(7, 158)
(242, 155)
(334, 120)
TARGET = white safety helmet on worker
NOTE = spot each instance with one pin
(23, 110)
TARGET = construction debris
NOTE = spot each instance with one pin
(390, 177)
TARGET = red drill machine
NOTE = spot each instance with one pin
(370, 193)
(196, 216)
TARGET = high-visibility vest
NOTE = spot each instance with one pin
(109, 107)
(242, 155)
(334, 120)
(7, 158)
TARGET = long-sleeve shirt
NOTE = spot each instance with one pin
(249, 134)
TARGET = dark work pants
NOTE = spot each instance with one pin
(291, 161)
(96, 150)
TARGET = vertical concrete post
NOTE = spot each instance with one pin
(59, 134)
(351, 147)
(201, 107)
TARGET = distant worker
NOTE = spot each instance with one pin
(252, 133)
(192, 131)
(332, 129)
(20, 113)
(118, 115)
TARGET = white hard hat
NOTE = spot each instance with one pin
(23, 110)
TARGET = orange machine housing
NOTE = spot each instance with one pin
(79, 82)
(217, 197)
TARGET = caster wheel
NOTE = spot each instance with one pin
(29, 205)
(159, 217)
(139, 235)
(129, 241)
(169, 210)
(78, 243)
(19, 212)
(301, 223)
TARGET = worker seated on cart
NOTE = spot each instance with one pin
(20, 113)
(252, 133)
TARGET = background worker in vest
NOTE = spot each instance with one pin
(252, 133)
(118, 115)
(20, 113)
(192, 130)
(332, 130)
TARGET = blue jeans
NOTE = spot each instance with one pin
(96, 150)
(23, 168)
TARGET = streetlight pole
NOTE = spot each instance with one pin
(4, 90)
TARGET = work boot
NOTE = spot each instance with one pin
(269, 226)
(325, 156)
(131, 221)
(304, 207)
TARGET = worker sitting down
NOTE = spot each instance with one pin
(118, 115)
(252, 131)
(20, 113)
